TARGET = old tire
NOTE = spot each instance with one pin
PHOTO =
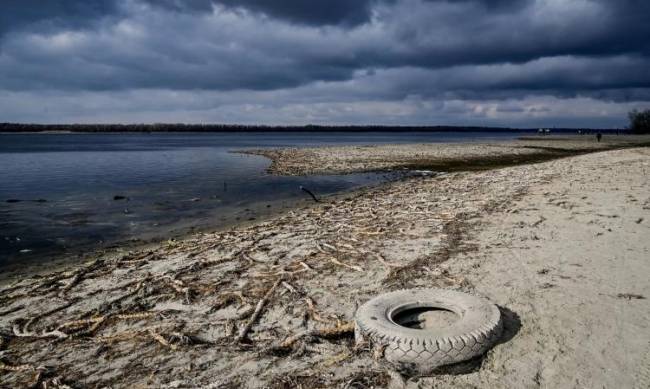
(477, 329)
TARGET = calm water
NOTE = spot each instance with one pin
(58, 191)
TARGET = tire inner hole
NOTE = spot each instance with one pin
(422, 318)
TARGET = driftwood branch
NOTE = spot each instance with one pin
(258, 311)
(332, 332)
(313, 196)
(353, 267)
(160, 339)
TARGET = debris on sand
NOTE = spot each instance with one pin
(262, 305)
(424, 159)
(267, 293)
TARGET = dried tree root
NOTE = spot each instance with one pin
(230, 328)
(47, 383)
(258, 311)
(329, 246)
(138, 315)
(127, 335)
(160, 339)
(137, 258)
(155, 334)
(25, 332)
(305, 266)
(96, 322)
(279, 273)
(335, 360)
(353, 267)
(288, 287)
(40, 377)
(76, 278)
(5, 367)
(312, 311)
(47, 284)
(387, 265)
(332, 332)
(45, 334)
(77, 326)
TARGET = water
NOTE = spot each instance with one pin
(58, 191)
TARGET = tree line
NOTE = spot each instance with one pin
(180, 127)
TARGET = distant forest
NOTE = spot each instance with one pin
(18, 127)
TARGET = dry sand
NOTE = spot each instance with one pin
(572, 259)
(561, 246)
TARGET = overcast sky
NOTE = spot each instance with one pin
(519, 63)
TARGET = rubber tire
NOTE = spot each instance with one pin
(423, 350)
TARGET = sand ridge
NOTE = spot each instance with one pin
(437, 156)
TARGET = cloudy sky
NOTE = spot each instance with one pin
(525, 63)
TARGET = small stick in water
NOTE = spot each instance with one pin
(302, 188)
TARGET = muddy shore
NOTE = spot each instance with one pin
(557, 246)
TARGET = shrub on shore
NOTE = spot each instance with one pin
(640, 121)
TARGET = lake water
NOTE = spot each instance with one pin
(65, 193)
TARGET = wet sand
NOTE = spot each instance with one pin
(561, 246)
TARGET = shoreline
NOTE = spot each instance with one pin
(70, 260)
(437, 156)
(178, 305)
(480, 158)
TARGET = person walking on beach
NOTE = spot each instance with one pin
(599, 136)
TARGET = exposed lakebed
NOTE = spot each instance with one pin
(65, 193)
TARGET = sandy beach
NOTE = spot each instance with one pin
(561, 246)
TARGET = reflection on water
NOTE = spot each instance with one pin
(63, 192)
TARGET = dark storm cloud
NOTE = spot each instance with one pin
(183, 5)
(329, 12)
(329, 52)
(17, 15)
(344, 13)
(318, 12)
(619, 79)
(446, 33)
